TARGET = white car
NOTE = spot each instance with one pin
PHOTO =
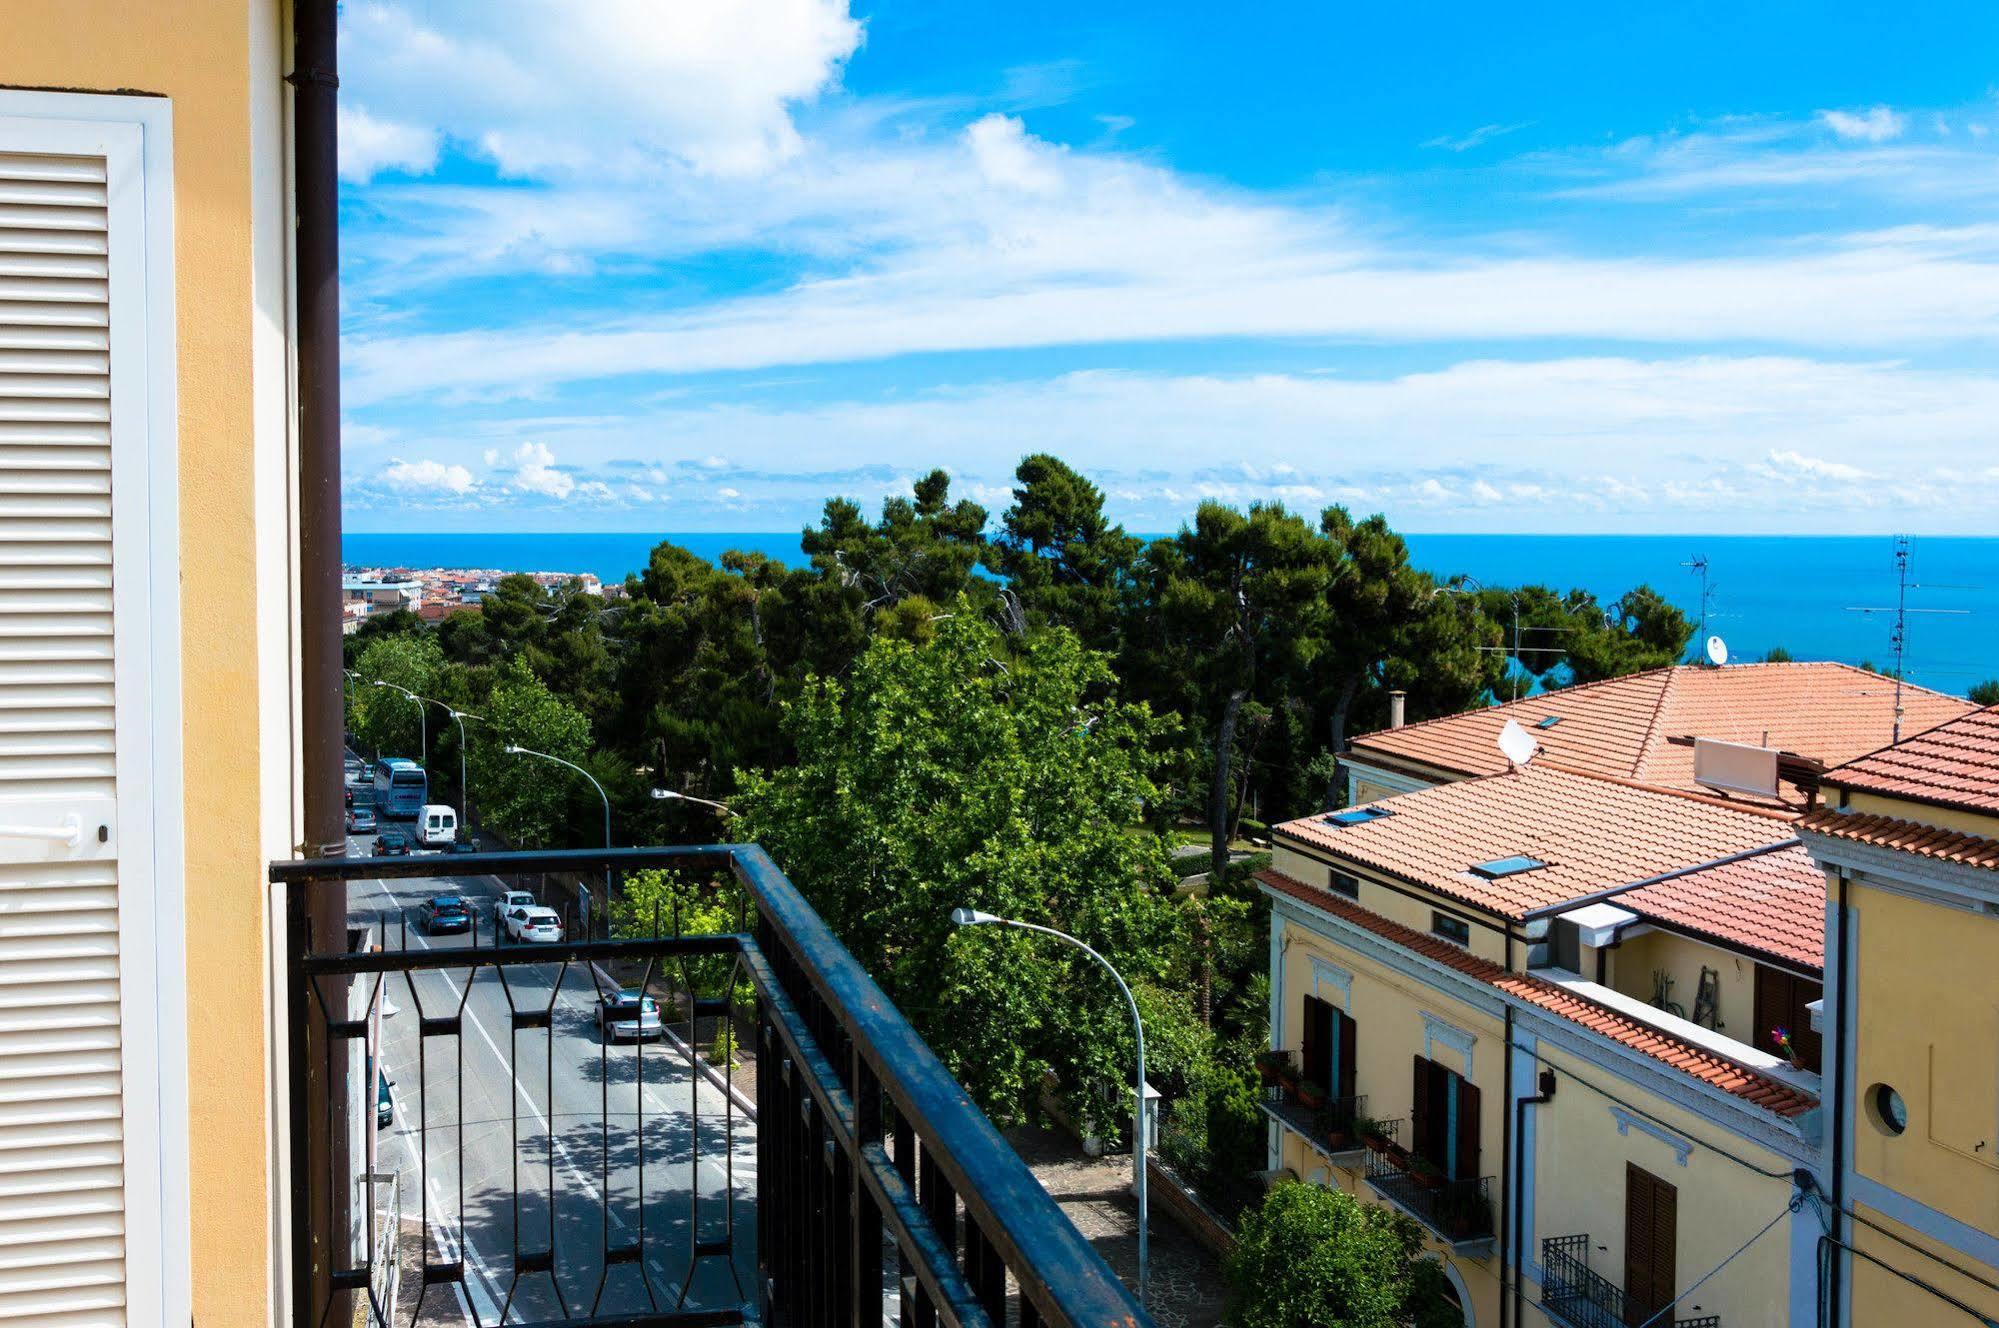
(510, 901)
(533, 924)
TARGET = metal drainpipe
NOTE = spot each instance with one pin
(316, 254)
(1547, 1094)
(1838, 1263)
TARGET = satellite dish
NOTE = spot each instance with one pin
(1516, 744)
(1717, 651)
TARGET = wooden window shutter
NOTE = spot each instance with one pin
(1651, 1221)
(62, 1209)
(1420, 1107)
(1317, 1050)
(1773, 1007)
(1348, 1034)
(1803, 992)
(1467, 1140)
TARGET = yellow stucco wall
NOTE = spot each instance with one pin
(1928, 1025)
(198, 53)
(1407, 904)
(1387, 1009)
(1879, 1296)
(1579, 1178)
(1946, 818)
(1580, 1151)
(1631, 968)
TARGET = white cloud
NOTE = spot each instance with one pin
(1877, 124)
(620, 86)
(426, 477)
(369, 146)
(1790, 461)
(1466, 142)
(535, 472)
(1007, 157)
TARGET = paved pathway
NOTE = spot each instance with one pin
(1095, 1192)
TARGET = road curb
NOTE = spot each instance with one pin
(693, 1058)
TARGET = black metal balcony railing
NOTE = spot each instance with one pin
(1458, 1211)
(1581, 1297)
(1332, 1126)
(557, 1179)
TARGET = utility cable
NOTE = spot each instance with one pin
(1797, 1202)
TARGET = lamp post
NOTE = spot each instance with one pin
(422, 720)
(971, 917)
(464, 790)
(675, 795)
(515, 749)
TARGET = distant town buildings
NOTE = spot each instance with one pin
(434, 593)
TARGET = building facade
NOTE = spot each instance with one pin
(1909, 839)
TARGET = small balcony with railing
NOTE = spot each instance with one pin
(1457, 1212)
(1575, 1294)
(614, 1120)
(1331, 1125)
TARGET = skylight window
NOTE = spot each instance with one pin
(1547, 721)
(1358, 816)
(1512, 866)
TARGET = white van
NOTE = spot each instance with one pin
(437, 827)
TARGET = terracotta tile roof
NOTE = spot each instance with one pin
(1592, 833)
(1908, 836)
(1778, 1098)
(1955, 764)
(1627, 726)
(1774, 903)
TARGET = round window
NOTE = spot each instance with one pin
(1890, 1113)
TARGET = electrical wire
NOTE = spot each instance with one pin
(1634, 1109)
(1797, 1202)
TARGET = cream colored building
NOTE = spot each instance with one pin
(1909, 839)
(1475, 966)
(146, 427)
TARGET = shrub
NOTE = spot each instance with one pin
(1312, 1257)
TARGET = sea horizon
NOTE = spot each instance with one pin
(1817, 596)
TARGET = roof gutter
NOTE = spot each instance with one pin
(1597, 897)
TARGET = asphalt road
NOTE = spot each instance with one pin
(506, 1142)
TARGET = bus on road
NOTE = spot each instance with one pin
(401, 788)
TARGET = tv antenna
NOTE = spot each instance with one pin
(1698, 566)
(1898, 636)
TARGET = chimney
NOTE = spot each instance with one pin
(1397, 709)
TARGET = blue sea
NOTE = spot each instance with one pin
(1802, 593)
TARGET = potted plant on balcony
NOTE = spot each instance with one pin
(1311, 1094)
(1373, 1133)
(1274, 1066)
(1425, 1172)
(1336, 1123)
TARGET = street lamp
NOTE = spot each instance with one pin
(971, 917)
(464, 791)
(675, 795)
(515, 749)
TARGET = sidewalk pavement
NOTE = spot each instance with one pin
(1095, 1193)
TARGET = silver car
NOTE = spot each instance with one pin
(628, 1014)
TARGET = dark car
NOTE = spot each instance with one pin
(443, 913)
(392, 844)
(385, 1105)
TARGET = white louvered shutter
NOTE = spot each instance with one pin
(62, 1196)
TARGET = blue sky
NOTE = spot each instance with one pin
(625, 265)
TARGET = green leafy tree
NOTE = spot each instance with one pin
(529, 802)
(1063, 559)
(668, 903)
(1235, 609)
(924, 545)
(1777, 655)
(383, 720)
(1985, 693)
(1388, 626)
(993, 773)
(1643, 630)
(1314, 1257)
